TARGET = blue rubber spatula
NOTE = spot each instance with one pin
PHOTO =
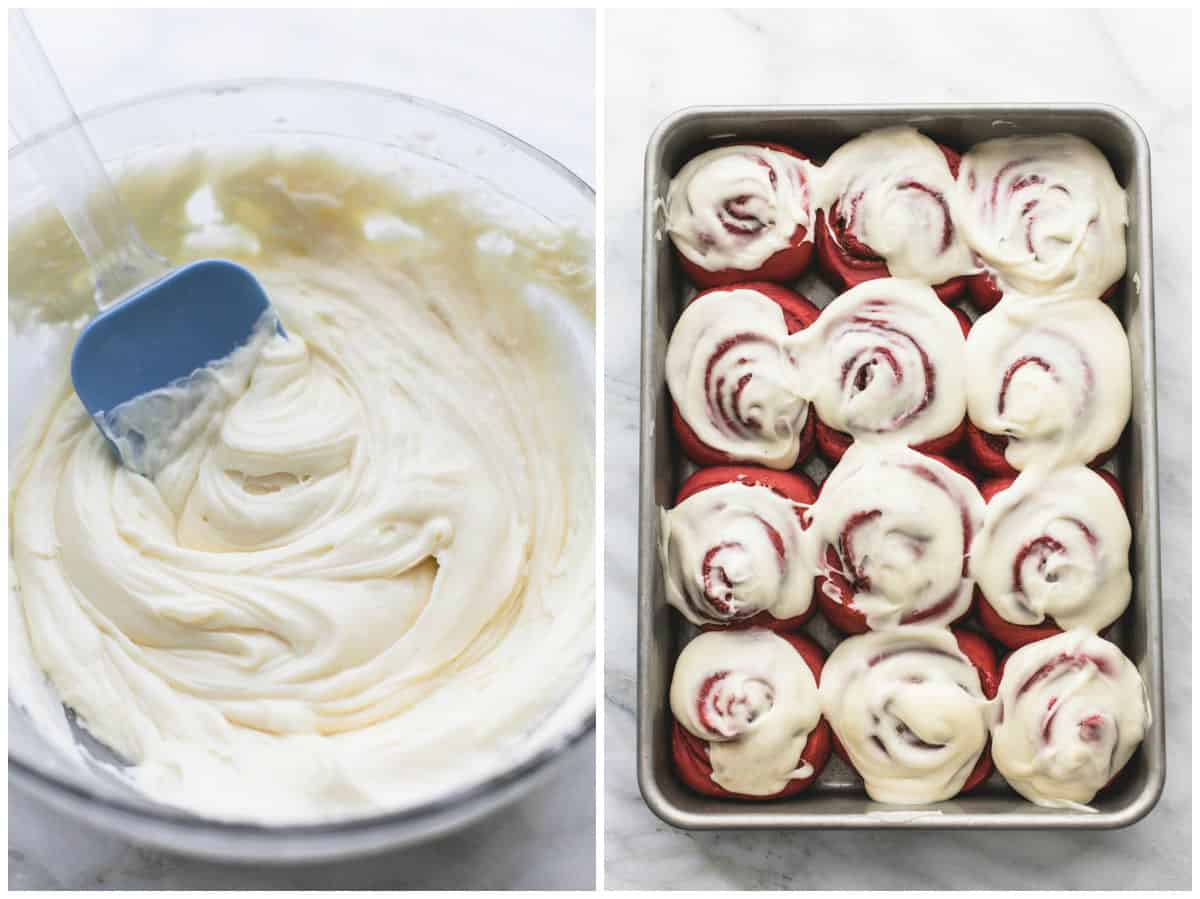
(157, 324)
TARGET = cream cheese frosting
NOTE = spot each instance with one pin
(900, 524)
(734, 550)
(367, 580)
(892, 189)
(1055, 544)
(1045, 214)
(884, 362)
(735, 207)
(1055, 378)
(729, 376)
(754, 699)
(908, 708)
(1072, 710)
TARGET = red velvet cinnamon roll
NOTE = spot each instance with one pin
(1072, 710)
(832, 443)
(1044, 214)
(742, 213)
(1053, 554)
(747, 713)
(737, 396)
(734, 549)
(885, 362)
(891, 529)
(909, 710)
(884, 209)
(1049, 383)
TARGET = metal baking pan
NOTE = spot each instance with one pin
(837, 799)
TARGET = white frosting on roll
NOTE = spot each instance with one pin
(752, 696)
(1055, 544)
(734, 550)
(909, 710)
(1045, 213)
(1071, 711)
(893, 190)
(885, 361)
(736, 207)
(900, 524)
(728, 374)
(1055, 378)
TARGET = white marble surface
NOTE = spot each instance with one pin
(659, 62)
(531, 73)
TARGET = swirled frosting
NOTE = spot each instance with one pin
(1055, 544)
(1045, 213)
(736, 207)
(1071, 711)
(884, 363)
(899, 525)
(728, 375)
(1055, 378)
(890, 191)
(365, 582)
(752, 696)
(734, 550)
(909, 710)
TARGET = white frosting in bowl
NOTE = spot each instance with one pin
(1071, 711)
(1055, 544)
(736, 207)
(1054, 377)
(1045, 213)
(367, 581)
(908, 708)
(754, 699)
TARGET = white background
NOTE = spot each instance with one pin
(531, 73)
(657, 62)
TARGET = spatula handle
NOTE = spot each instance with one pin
(66, 161)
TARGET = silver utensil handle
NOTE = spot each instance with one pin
(69, 167)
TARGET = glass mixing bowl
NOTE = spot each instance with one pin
(382, 130)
